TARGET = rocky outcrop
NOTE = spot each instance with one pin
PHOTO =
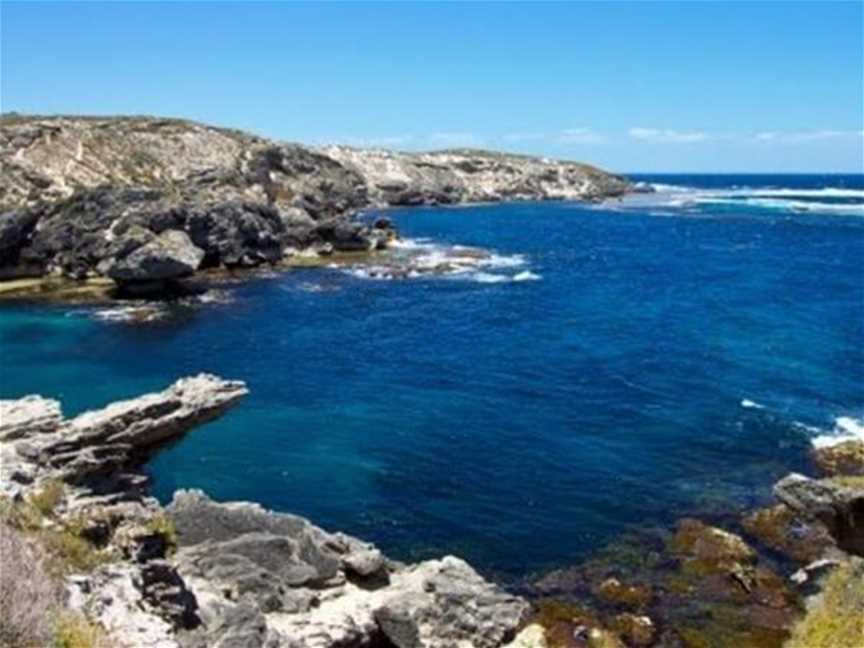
(845, 458)
(80, 197)
(457, 176)
(40, 444)
(170, 255)
(202, 574)
(314, 589)
(838, 503)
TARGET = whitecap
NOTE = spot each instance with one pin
(846, 428)
(133, 313)
(749, 404)
(527, 275)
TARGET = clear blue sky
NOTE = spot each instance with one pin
(775, 86)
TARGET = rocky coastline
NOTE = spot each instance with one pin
(144, 203)
(199, 573)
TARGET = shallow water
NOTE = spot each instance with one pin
(656, 357)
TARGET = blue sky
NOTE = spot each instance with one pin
(647, 86)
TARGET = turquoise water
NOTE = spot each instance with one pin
(610, 367)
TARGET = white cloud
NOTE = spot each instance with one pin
(667, 135)
(797, 137)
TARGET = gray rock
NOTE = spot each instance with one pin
(838, 506)
(170, 255)
(317, 589)
(103, 441)
(16, 227)
(31, 415)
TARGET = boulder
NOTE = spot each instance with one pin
(170, 255)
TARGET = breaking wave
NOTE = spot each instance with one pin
(424, 259)
(846, 428)
(826, 200)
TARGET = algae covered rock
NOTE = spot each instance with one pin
(846, 458)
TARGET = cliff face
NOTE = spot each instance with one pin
(79, 196)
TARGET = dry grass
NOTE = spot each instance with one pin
(48, 497)
(837, 621)
(28, 595)
(74, 631)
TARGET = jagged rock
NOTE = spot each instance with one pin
(321, 589)
(30, 415)
(170, 255)
(74, 187)
(112, 597)
(103, 441)
(162, 588)
(838, 503)
(15, 230)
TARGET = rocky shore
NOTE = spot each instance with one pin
(146, 202)
(87, 550)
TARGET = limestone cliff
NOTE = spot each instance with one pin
(79, 196)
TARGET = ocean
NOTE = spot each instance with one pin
(521, 383)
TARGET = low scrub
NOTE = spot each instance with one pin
(837, 620)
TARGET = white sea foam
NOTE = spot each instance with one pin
(749, 404)
(846, 428)
(131, 313)
(659, 187)
(422, 258)
(527, 275)
(781, 199)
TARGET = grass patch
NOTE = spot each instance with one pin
(69, 553)
(837, 621)
(848, 481)
(162, 524)
(74, 631)
(48, 497)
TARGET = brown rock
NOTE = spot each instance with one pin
(709, 547)
(614, 591)
(845, 458)
(779, 528)
(636, 630)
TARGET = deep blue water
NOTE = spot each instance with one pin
(671, 354)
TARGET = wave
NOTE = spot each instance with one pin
(782, 204)
(846, 428)
(422, 258)
(749, 404)
(153, 311)
(825, 200)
